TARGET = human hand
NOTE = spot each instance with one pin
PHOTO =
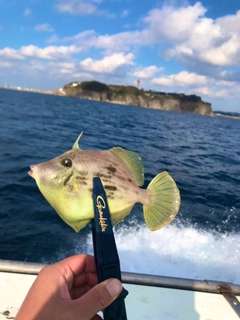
(69, 290)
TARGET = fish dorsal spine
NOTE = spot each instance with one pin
(76, 145)
(133, 162)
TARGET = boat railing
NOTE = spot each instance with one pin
(209, 286)
(228, 290)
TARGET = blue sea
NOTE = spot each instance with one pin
(201, 153)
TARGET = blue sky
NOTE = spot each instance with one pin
(173, 46)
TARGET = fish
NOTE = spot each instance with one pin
(66, 182)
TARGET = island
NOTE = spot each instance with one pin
(133, 96)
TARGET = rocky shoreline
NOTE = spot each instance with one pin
(130, 95)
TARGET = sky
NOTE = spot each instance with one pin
(180, 46)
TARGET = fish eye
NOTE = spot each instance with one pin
(67, 162)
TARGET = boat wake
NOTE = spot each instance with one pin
(178, 252)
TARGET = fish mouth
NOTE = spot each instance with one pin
(30, 172)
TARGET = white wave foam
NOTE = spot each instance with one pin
(179, 252)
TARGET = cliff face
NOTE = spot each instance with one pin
(128, 95)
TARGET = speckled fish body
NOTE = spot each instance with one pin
(67, 184)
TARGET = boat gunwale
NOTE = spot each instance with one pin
(208, 286)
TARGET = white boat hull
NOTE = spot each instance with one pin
(143, 302)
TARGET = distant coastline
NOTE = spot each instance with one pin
(232, 115)
(26, 89)
(129, 95)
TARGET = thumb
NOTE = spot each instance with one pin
(97, 299)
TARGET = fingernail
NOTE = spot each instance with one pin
(114, 287)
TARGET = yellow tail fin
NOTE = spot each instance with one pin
(165, 201)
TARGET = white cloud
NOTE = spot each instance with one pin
(226, 54)
(48, 53)
(147, 73)
(203, 46)
(27, 12)
(217, 89)
(11, 54)
(196, 39)
(224, 83)
(83, 75)
(205, 91)
(53, 39)
(5, 64)
(215, 92)
(43, 27)
(172, 23)
(125, 13)
(230, 23)
(85, 38)
(222, 94)
(80, 7)
(65, 67)
(123, 41)
(181, 79)
(108, 64)
(188, 36)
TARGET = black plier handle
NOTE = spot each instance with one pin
(105, 250)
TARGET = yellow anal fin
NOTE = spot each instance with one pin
(117, 217)
(165, 201)
(78, 225)
(133, 162)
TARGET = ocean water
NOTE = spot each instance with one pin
(201, 153)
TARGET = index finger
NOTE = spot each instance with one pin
(78, 264)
